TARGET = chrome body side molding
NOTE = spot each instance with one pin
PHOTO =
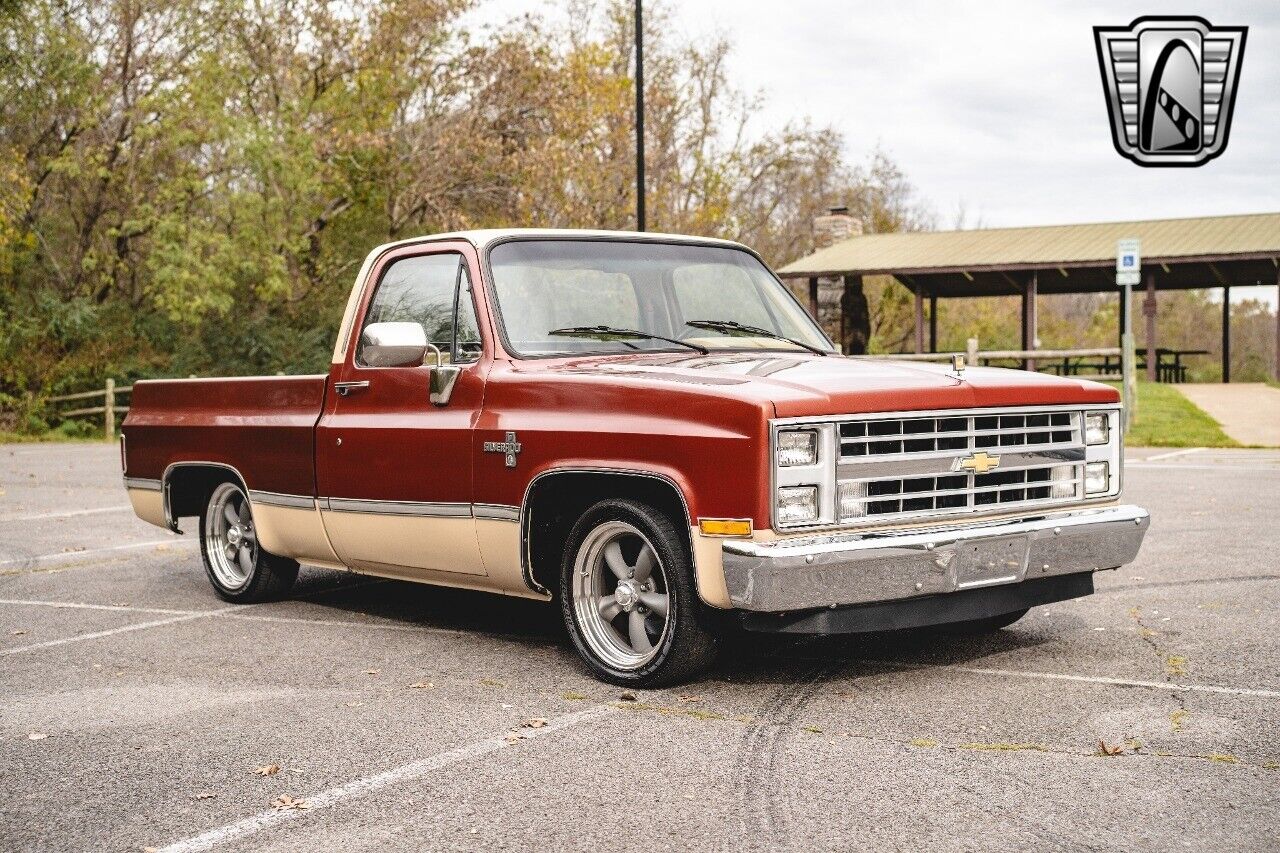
(496, 512)
(280, 499)
(372, 507)
(147, 484)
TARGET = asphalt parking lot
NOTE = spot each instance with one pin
(135, 707)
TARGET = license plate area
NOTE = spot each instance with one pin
(988, 562)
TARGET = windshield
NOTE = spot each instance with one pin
(549, 291)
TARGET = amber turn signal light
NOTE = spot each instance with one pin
(725, 526)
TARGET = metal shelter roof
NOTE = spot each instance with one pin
(1210, 251)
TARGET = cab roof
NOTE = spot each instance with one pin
(482, 237)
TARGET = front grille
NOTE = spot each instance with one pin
(911, 466)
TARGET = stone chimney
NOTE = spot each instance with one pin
(836, 225)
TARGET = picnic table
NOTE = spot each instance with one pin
(1169, 366)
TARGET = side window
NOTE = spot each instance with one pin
(433, 290)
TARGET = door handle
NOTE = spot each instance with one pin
(345, 388)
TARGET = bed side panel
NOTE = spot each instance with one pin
(264, 427)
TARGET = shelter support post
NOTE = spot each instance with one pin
(933, 323)
(1029, 318)
(1122, 317)
(1149, 309)
(813, 298)
(919, 315)
(1277, 364)
(1226, 333)
(855, 316)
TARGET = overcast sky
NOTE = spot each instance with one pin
(994, 108)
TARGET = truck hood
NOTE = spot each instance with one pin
(802, 385)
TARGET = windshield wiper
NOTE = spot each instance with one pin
(729, 327)
(604, 333)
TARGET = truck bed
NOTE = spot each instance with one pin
(263, 427)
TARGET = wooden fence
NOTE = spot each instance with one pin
(1033, 359)
(109, 409)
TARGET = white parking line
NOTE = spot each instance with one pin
(75, 556)
(76, 605)
(1172, 454)
(1087, 679)
(241, 614)
(1224, 468)
(68, 514)
(124, 629)
(368, 784)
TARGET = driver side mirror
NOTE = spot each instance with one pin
(393, 345)
(443, 378)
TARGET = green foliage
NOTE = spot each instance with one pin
(189, 187)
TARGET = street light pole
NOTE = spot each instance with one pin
(639, 117)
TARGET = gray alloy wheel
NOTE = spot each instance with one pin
(231, 543)
(239, 569)
(620, 596)
(628, 596)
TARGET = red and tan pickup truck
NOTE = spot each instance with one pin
(651, 431)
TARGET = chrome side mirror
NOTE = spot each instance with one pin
(393, 345)
(443, 378)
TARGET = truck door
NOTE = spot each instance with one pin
(393, 471)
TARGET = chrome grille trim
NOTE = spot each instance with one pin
(1030, 441)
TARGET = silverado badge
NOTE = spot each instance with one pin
(979, 463)
(510, 447)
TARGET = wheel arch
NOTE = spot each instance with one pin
(186, 487)
(555, 498)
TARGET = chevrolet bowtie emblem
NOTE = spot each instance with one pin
(979, 463)
(510, 447)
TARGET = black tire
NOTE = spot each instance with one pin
(987, 625)
(265, 577)
(687, 645)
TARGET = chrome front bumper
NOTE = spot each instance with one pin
(857, 568)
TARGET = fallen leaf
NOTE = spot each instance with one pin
(205, 795)
(690, 698)
(533, 723)
(372, 671)
(513, 737)
(418, 685)
(490, 682)
(573, 696)
(284, 803)
(268, 770)
(627, 697)
(1105, 748)
(18, 633)
(37, 736)
(354, 704)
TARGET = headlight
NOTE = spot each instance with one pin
(1097, 478)
(1097, 428)
(797, 504)
(1061, 483)
(797, 447)
(851, 501)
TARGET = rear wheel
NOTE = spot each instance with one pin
(237, 566)
(628, 597)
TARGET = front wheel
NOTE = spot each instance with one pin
(237, 566)
(628, 597)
